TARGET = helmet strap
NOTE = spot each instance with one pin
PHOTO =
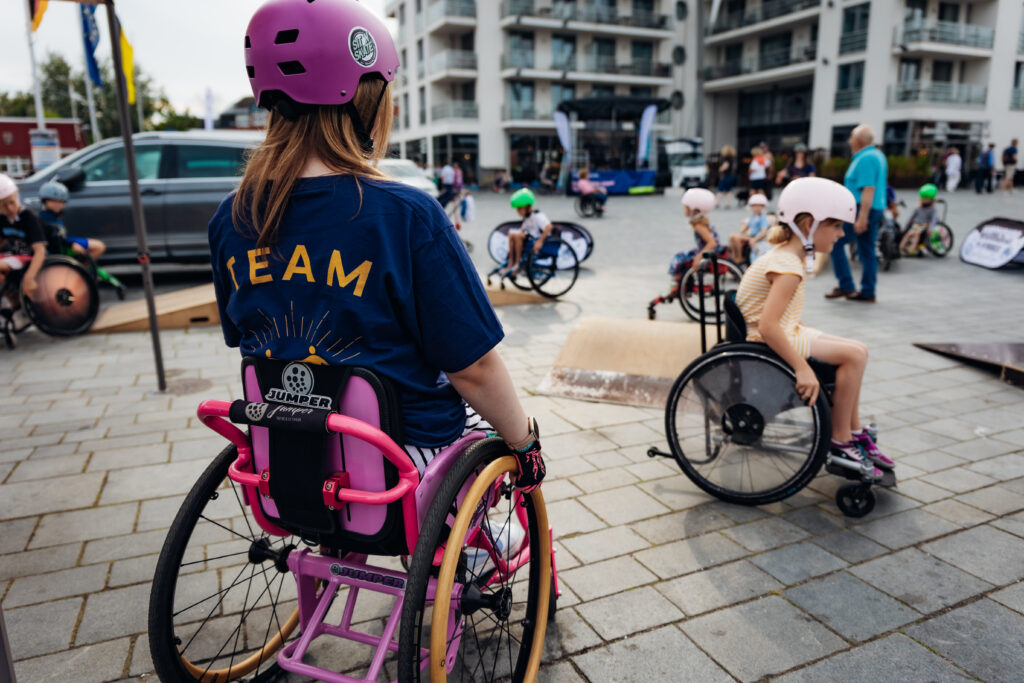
(808, 241)
(357, 122)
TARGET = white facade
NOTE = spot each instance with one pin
(922, 73)
(488, 74)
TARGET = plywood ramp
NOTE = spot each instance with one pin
(623, 361)
(183, 308)
(511, 296)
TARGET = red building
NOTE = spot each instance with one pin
(16, 148)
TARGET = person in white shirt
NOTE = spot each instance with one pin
(757, 171)
(954, 163)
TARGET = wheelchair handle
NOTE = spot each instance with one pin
(215, 415)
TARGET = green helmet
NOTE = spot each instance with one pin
(522, 197)
(928, 191)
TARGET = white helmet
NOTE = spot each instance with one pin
(700, 201)
(822, 199)
(7, 186)
(757, 199)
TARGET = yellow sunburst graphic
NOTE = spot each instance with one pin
(288, 328)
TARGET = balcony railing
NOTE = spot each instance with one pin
(421, 69)
(593, 15)
(938, 93)
(455, 109)
(854, 41)
(948, 32)
(772, 59)
(452, 59)
(767, 10)
(419, 22)
(848, 99)
(1017, 98)
(523, 112)
(451, 8)
(564, 63)
(517, 60)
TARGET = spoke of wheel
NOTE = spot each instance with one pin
(266, 634)
(221, 593)
(241, 507)
(211, 559)
(245, 601)
(227, 529)
(238, 628)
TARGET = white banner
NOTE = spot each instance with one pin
(993, 245)
(564, 134)
(644, 136)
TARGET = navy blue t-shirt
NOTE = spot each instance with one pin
(380, 281)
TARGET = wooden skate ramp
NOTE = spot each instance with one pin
(1005, 358)
(623, 361)
(197, 306)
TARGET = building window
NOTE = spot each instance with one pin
(949, 11)
(910, 70)
(855, 28)
(420, 63)
(419, 6)
(850, 86)
(520, 50)
(520, 100)
(942, 71)
(915, 11)
(405, 111)
(681, 11)
(840, 141)
(563, 53)
(561, 92)
(602, 55)
(641, 91)
(423, 106)
(602, 90)
(401, 15)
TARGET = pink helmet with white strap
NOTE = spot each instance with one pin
(699, 200)
(7, 186)
(822, 199)
(314, 52)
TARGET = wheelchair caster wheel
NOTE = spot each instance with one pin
(854, 500)
(502, 283)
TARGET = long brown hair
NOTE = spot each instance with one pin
(325, 132)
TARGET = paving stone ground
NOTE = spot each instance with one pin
(658, 577)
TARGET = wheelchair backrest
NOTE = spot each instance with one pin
(297, 463)
(735, 325)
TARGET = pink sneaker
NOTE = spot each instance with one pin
(847, 459)
(870, 449)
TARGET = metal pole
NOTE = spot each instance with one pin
(94, 128)
(6, 660)
(138, 216)
(36, 87)
(700, 68)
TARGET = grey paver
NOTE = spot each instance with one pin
(850, 606)
(813, 519)
(660, 655)
(1011, 596)
(718, 587)
(62, 584)
(568, 634)
(41, 629)
(922, 491)
(140, 483)
(906, 528)
(601, 545)
(49, 495)
(603, 479)
(765, 534)
(958, 479)
(604, 578)
(92, 663)
(1013, 523)
(114, 613)
(44, 468)
(893, 658)
(558, 673)
(624, 613)
(761, 638)
(921, 581)
(799, 562)
(14, 534)
(30, 562)
(683, 557)
(994, 555)
(83, 525)
(958, 513)
(999, 500)
(572, 518)
(851, 546)
(984, 638)
(623, 505)
(692, 522)
(677, 492)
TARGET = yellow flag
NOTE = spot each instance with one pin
(38, 8)
(128, 67)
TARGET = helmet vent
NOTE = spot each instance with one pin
(251, 71)
(248, 43)
(289, 36)
(291, 68)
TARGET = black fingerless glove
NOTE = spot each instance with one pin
(530, 460)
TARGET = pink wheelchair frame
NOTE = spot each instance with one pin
(352, 570)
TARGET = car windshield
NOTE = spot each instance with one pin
(400, 168)
(60, 163)
(687, 159)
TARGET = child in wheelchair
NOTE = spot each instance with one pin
(54, 196)
(22, 242)
(771, 296)
(920, 223)
(534, 231)
(697, 206)
(749, 242)
(596, 193)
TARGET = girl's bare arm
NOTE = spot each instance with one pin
(487, 387)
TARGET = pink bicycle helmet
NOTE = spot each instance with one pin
(700, 200)
(315, 52)
(7, 186)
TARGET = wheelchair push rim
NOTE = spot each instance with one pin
(223, 600)
(489, 612)
(690, 292)
(66, 302)
(551, 275)
(939, 240)
(739, 430)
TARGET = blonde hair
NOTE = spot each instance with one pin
(780, 233)
(728, 151)
(756, 150)
(326, 133)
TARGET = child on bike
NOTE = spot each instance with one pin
(922, 221)
(22, 242)
(535, 227)
(54, 196)
(753, 233)
(316, 233)
(771, 297)
(588, 189)
(697, 206)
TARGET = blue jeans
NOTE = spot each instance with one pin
(865, 251)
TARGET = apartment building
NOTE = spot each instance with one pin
(480, 79)
(922, 73)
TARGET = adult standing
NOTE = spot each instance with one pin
(954, 164)
(1009, 166)
(867, 178)
(726, 174)
(447, 177)
(798, 166)
(769, 168)
(986, 168)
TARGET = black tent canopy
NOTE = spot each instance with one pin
(612, 108)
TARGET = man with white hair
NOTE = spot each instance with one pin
(867, 178)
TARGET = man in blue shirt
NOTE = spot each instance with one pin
(1009, 166)
(867, 178)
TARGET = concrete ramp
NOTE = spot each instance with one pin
(633, 362)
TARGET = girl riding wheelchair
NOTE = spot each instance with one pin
(371, 382)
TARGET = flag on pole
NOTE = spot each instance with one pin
(36, 10)
(127, 64)
(91, 37)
